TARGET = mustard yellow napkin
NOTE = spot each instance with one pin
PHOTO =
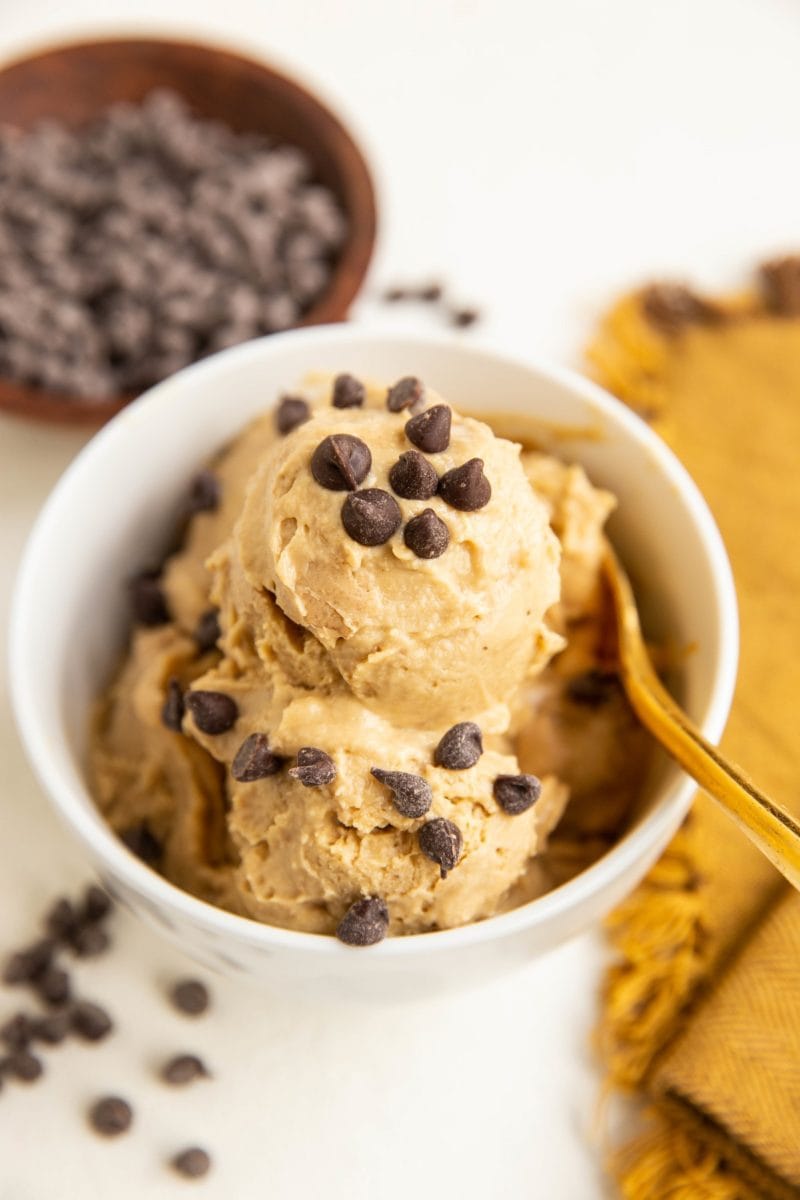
(702, 1008)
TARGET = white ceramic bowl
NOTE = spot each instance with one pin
(109, 513)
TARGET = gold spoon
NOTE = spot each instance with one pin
(773, 830)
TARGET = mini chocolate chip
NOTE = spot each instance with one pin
(291, 412)
(91, 1021)
(431, 292)
(592, 688)
(61, 919)
(441, 841)
(147, 597)
(371, 516)
(204, 492)
(780, 283)
(516, 793)
(23, 1066)
(341, 462)
(411, 794)
(462, 318)
(254, 759)
(192, 1163)
(408, 392)
(314, 767)
(427, 535)
(90, 941)
(53, 1028)
(430, 430)
(53, 986)
(17, 1031)
(143, 843)
(174, 706)
(183, 1068)
(460, 748)
(348, 392)
(365, 922)
(671, 307)
(190, 996)
(213, 712)
(207, 630)
(413, 477)
(27, 964)
(110, 1116)
(466, 487)
(395, 293)
(97, 903)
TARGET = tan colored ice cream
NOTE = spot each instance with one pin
(367, 653)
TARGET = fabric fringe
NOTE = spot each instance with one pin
(668, 1163)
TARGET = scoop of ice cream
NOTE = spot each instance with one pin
(419, 639)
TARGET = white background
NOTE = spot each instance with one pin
(540, 156)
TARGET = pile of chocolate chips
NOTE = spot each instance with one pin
(79, 928)
(148, 239)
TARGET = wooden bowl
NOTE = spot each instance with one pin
(73, 83)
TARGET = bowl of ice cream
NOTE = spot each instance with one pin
(369, 689)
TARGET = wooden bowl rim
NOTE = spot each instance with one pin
(47, 404)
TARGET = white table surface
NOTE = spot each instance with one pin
(540, 156)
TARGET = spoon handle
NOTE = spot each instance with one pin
(771, 828)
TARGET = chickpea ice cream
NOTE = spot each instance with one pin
(362, 693)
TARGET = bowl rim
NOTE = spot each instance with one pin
(351, 270)
(86, 821)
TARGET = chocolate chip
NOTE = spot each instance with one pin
(213, 712)
(348, 392)
(431, 292)
(142, 842)
(190, 996)
(314, 767)
(341, 462)
(441, 841)
(462, 318)
(427, 535)
(174, 706)
(371, 516)
(365, 922)
(91, 1021)
(780, 283)
(183, 1068)
(430, 430)
(460, 748)
(592, 688)
(291, 412)
(207, 631)
(411, 794)
(147, 598)
(97, 903)
(24, 1066)
(254, 759)
(408, 392)
(672, 307)
(516, 793)
(90, 941)
(53, 1028)
(17, 1032)
(53, 986)
(204, 492)
(110, 1116)
(466, 487)
(192, 1163)
(26, 965)
(413, 477)
(395, 293)
(62, 919)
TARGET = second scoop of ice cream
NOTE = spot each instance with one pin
(416, 639)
